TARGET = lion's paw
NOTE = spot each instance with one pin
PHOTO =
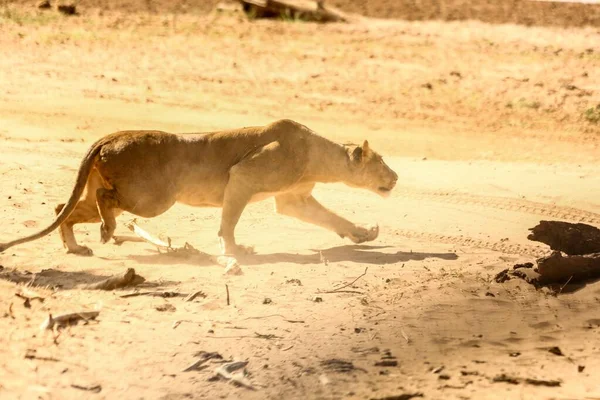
(361, 235)
(81, 251)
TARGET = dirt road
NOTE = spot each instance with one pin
(496, 142)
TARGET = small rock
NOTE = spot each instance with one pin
(317, 299)
(556, 351)
(44, 4)
(444, 377)
(427, 86)
(580, 368)
(67, 8)
(267, 300)
(294, 282)
(490, 294)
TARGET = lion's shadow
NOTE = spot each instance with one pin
(362, 254)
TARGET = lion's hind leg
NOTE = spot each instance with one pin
(107, 202)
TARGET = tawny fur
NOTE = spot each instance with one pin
(147, 172)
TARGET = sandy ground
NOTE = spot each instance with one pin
(495, 143)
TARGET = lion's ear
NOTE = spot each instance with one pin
(365, 148)
(357, 154)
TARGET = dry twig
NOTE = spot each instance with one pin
(339, 289)
(128, 278)
(66, 319)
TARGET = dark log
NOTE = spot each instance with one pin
(557, 268)
(572, 239)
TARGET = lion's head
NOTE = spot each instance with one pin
(369, 171)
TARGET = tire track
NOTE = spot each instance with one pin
(500, 246)
(504, 203)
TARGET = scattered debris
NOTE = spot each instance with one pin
(303, 10)
(94, 389)
(438, 369)
(30, 354)
(506, 378)
(516, 380)
(67, 9)
(163, 294)
(63, 320)
(165, 307)
(387, 363)
(336, 365)
(336, 290)
(28, 296)
(502, 276)
(292, 321)
(268, 336)
(193, 295)
(226, 371)
(527, 265)
(403, 396)
(44, 4)
(204, 357)
(322, 259)
(404, 335)
(128, 278)
(542, 382)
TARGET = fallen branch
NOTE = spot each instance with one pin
(227, 290)
(128, 278)
(67, 319)
(557, 268)
(572, 239)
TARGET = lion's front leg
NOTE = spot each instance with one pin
(306, 208)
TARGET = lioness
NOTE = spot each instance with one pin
(146, 172)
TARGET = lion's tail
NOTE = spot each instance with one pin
(85, 168)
